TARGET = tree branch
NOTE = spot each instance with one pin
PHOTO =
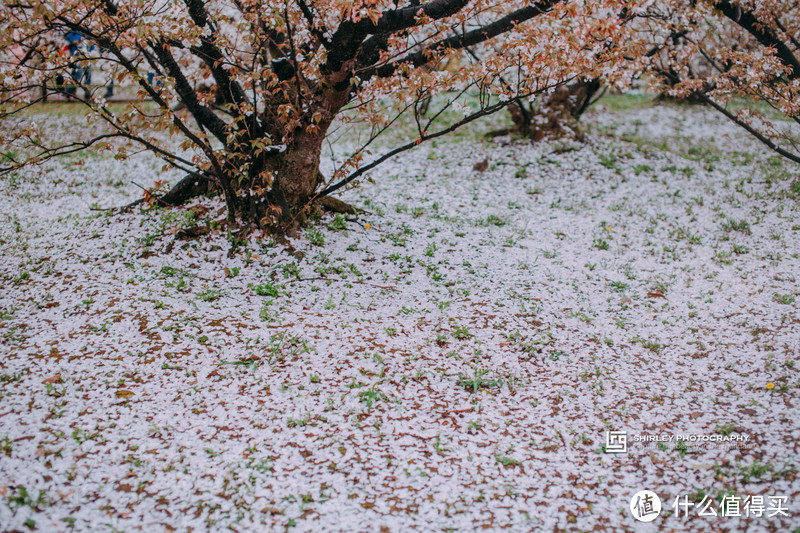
(204, 116)
(316, 32)
(488, 110)
(463, 40)
(763, 139)
(349, 36)
(761, 32)
(212, 56)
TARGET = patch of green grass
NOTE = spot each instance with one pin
(494, 220)
(397, 239)
(786, 299)
(11, 378)
(337, 224)
(726, 429)
(618, 286)
(722, 258)
(681, 448)
(755, 470)
(702, 153)
(298, 422)
(5, 446)
(371, 396)
(653, 346)
(169, 271)
(740, 225)
(283, 346)
(794, 189)
(80, 436)
(291, 270)
(683, 233)
(477, 381)
(23, 498)
(625, 101)
(601, 244)
(505, 460)
(461, 332)
(267, 288)
(315, 237)
(210, 295)
(609, 161)
(266, 314)
(740, 249)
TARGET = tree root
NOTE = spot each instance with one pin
(334, 205)
(191, 186)
(501, 133)
(192, 232)
(195, 185)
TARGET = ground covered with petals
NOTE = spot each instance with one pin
(449, 360)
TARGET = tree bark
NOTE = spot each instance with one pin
(295, 178)
(559, 114)
(280, 194)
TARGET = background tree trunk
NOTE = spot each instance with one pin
(557, 116)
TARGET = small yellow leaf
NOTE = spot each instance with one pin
(123, 394)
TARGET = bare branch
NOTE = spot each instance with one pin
(485, 111)
(463, 40)
(350, 35)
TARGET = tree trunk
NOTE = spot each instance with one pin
(284, 184)
(279, 194)
(277, 191)
(558, 115)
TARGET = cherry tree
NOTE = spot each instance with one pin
(252, 87)
(740, 57)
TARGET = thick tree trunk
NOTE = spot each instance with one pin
(277, 191)
(284, 185)
(281, 190)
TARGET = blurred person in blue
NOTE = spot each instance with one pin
(80, 71)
